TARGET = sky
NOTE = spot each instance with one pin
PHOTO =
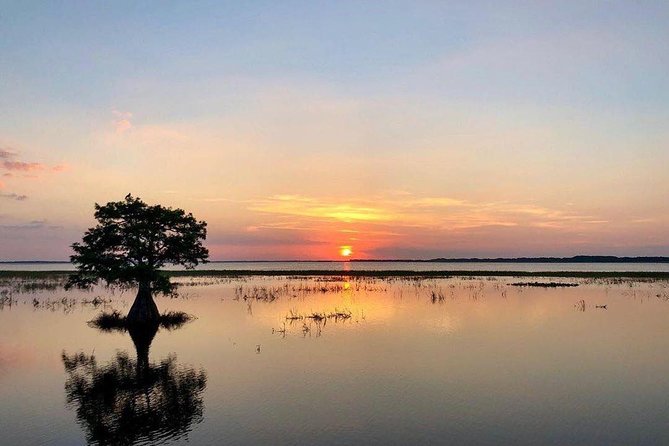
(303, 129)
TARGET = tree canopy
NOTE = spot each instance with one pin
(133, 240)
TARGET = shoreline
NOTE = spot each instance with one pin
(659, 275)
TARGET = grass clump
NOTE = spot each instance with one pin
(115, 321)
(545, 284)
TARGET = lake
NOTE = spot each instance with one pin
(273, 360)
(381, 266)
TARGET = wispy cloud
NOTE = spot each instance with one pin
(6, 153)
(409, 221)
(13, 196)
(60, 167)
(310, 207)
(407, 210)
(122, 121)
(22, 166)
(11, 162)
(33, 224)
(14, 167)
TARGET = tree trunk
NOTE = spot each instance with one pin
(144, 310)
(142, 336)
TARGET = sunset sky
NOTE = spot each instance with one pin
(301, 129)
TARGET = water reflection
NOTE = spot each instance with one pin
(126, 401)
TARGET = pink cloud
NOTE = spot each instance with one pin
(122, 122)
(60, 167)
(6, 154)
(22, 166)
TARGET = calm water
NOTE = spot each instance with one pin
(392, 362)
(380, 266)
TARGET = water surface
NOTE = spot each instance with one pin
(383, 266)
(335, 361)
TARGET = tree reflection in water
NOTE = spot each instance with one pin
(128, 401)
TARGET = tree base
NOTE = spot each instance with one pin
(144, 310)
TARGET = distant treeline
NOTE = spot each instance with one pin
(574, 259)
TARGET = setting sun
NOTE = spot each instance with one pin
(345, 251)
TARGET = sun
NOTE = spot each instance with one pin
(345, 251)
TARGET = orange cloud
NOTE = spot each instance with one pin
(60, 167)
(366, 225)
(409, 211)
(297, 205)
(12, 164)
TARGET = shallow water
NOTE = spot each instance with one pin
(462, 361)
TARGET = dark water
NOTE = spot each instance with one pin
(378, 362)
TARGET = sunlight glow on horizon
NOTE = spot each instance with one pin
(483, 129)
(345, 251)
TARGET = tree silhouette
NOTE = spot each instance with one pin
(129, 245)
(128, 401)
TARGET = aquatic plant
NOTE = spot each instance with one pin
(545, 284)
(115, 321)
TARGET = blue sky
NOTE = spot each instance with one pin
(545, 121)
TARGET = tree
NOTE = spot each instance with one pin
(130, 244)
(126, 401)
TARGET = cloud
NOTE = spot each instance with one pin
(6, 153)
(16, 168)
(33, 224)
(310, 207)
(60, 167)
(10, 163)
(398, 215)
(122, 122)
(22, 166)
(13, 196)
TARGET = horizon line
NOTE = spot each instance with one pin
(538, 259)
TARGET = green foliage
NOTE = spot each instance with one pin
(133, 240)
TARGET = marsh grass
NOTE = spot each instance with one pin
(65, 304)
(31, 285)
(336, 314)
(545, 284)
(6, 299)
(96, 302)
(115, 321)
(437, 296)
